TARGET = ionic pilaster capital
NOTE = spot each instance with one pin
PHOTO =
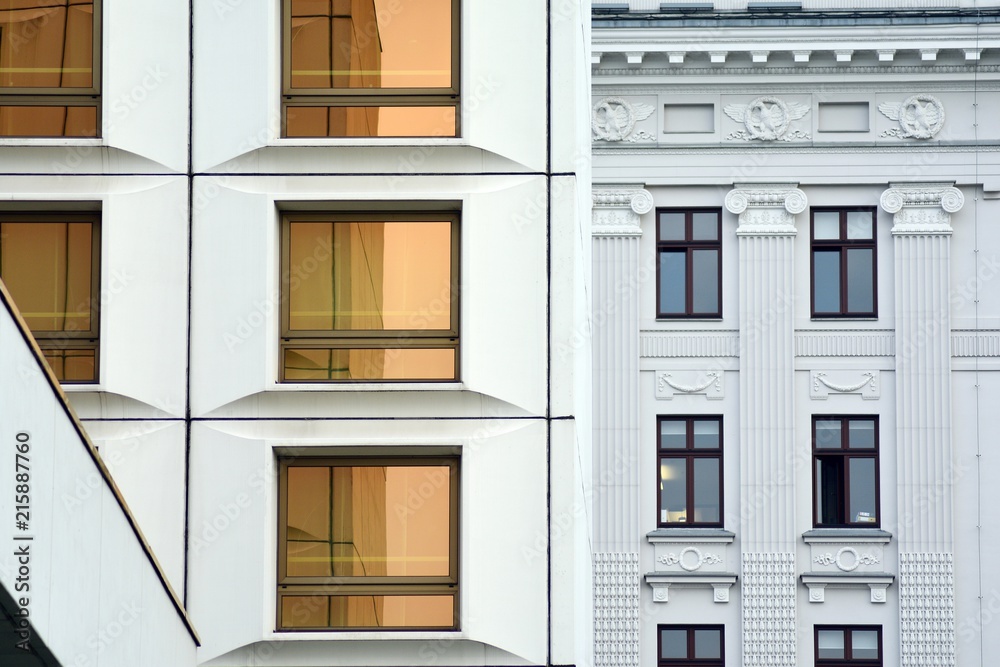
(766, 209)
(922, 208)
(616, 210)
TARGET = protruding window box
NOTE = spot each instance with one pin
(691, 558)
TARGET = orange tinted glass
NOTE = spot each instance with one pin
(48, 121)
(326, 364)
(72, 365)
(371, 44)
(47, 269)
(302, 121)
(370, 276)
(352, 521)
(46, 43)
(367, 611)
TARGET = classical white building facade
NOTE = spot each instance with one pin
(197, 385)
(796, 345)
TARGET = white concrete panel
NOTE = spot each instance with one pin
(236, 79)
(146, 460)
(570, 80)
(503, 79)
(144, 296)
(234, 252)
(504, 240)
(504, 572)
(145, 87)
(569, 309)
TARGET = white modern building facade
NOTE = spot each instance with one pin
(318, 309)
(796, 332)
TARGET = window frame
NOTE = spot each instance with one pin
(73, 340)
(363, 586)
(61, 97)
(370, 338)
(690, 661)
(368, 97)
(846, 453)
(848, 638)
(688, 246)
(841, 245)
(689, 454)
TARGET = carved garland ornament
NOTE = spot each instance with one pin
(847, 566)
(686, 563)
(767, 119)
(713, 378)
(919, 116)
(843, 388)
(614, 119)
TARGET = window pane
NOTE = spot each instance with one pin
(864, 644)
(673, 644)
(706, 433)
(860, 289)
(829, 490)
(706, 490)
(361, 121)
(672, 282)
(705, 281)
(47, 269)
(859, 224)
(72, 365)
(830, 643)
(826, 281)
(861, 433)
(672, 227)
(362, 521)
(707, 643)
(367, 611)
(46, 44)
(380, 44)
(705, 226)
(828, 433)
(365, 276)
(48, 121)
(673, 434)
(673, 490)
(862, 472)
(394, 363)
(826, 225)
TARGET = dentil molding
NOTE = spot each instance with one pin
(922, 208)
(616, 211)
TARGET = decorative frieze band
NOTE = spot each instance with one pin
(845, 344)
(666, 344)
(922, 208)
(975, 344)
(616, 211)
(616, 609)
(926, 609)
(766, 209)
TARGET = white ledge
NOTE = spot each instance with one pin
(699, 535)
(719, 582)
(852, 535)
(876, 582)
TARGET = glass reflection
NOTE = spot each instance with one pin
(325, 364)
(313, 121)
(830, 643)
(673, 644)
(367, 611)
(826, 281)
(48, 121)
(706, 490)
(46, 43)
(707, 643)
(673, 490)
(862, 473)
(860, 292)
(673, 282)
(705, 281)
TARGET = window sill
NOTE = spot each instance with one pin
(369, 141)
(366, 635)
(368, 386)
(846, 318)
(700, 535)
(74, 388)
(51, 141)
(853, 535)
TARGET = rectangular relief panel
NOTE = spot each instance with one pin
(844, 117)
(688, 118)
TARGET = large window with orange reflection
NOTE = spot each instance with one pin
(49, 263)
(370, 68)
(368, 543)
(369, 296)
(50, 68)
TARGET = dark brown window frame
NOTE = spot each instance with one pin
(690, 661)
(689, 454)
(847, 660)
(840, 245)
(846, 453)
(370, 339)
(63, 97)
(73, 340)
(369, 97)
(688, 246)
(293, 586)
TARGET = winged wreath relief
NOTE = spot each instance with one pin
(919, 116)
(767, 119)
(614, 119)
